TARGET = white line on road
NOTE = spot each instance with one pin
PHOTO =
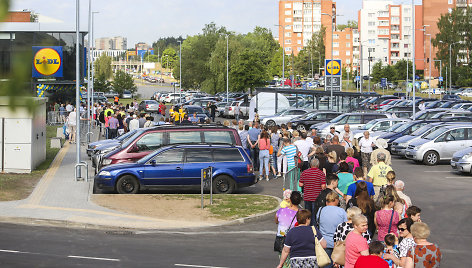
(438, 171)
(455, 177)
(198, 266)
(211, 233)
(11, 251)
(92, 258)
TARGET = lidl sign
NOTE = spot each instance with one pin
(47, 61)
(333, 67)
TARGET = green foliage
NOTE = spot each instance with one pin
(4, 6)
(377, 72)
(313, 55)
(103, 66)
(100, 83)
(400, 69)
(350, 24)
(167, 42)
(152, 58)
(455, 28)
(123, 81)
(169, 57)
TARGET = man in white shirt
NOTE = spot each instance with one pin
(304, 147)
(422, 106)
(347, 133)
(72, 125)
(69, 107)
(366, 143)
(134, 123)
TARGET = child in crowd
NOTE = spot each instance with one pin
(414, 213)
(391, 247)
(286, 202)
(400, 209)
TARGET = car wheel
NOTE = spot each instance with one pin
(127, 184)
(301, 127)
(271, 123)
(431, 158)
(223, 184)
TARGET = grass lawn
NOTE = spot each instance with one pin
(20, 186)
(233, 206)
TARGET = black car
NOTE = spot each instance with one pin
(201, 113)
(304, 122)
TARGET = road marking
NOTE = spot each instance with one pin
(48, 177)
(456, 177)
(438, 171)
(198, 266)
(92, 258)
(203, 233)
(10, 251)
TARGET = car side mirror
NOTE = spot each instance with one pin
(133, 149)
(153, 162)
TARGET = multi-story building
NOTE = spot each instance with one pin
(300, 19)
(432, 11)
(386, 33)
(114, 43)
(343, 47)
(142, 46)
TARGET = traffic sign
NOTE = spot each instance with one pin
(336, 83)
(441, 79)
(383, 82)
(333, 67)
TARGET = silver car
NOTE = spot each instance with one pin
(283, 117)
(462, 161)
(440, 144)
(380, 124)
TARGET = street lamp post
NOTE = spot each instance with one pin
(450, 64)
(88, 67)
(429, 81)
(77, 86)
(283, 52)
(332, 56)
(413, 55)
(227, 68)
(180, 71)
(92, 89)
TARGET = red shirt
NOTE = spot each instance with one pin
(371, 261)
(312, 180)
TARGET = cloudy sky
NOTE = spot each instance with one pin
(148, 20)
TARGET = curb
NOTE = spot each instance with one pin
(87, 226)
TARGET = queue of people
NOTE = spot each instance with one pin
(355, 203)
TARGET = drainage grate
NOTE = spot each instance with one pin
(119, 232)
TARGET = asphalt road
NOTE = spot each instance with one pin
(443, 196)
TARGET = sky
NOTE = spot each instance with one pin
(149, 20)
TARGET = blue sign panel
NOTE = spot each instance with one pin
(47, 62)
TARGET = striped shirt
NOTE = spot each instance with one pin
(312, 180)
(290, 151)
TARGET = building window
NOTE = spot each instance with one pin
(395, 20)
(407, 10)
(288, 19)
(372, 41)
(371, 23)
(288, 41)
(449, 10)
(300, 48)
(307, 5)
(348, 44)
(348, 61)
(406, 55)
(317, 5)
(335, 52)
(288, 13)
(336, 36)
(297, 12)
(405, 45)
(299, 34)
(449, 2)
(288, 5)
(406, 29)
(371, 32)
(348, 53)
(348, 36)
(407, 19)
(307, 19)
(335, 44)
(288, 34)
(383, 31)
(288, 27)
(288, 49)
(395, 11)
(371, 49)
(371, 15)
(299, 42)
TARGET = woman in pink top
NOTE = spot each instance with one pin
(264, 145)
(356, 244)
(350, 158)
(383, 217)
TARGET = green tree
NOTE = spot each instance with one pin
(103, 66)
(388, 72)
(169, 57)
(350, 24)
(377, 72)
(249, 70)
(100, 83)
(123, 81)
(401, 68)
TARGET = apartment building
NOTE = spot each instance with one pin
(114, 43)
(300, 19)
(386, 31)
(432, 11)
(343, 47)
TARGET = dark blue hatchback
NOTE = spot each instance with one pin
(181, 165)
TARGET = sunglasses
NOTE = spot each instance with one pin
(401, 229)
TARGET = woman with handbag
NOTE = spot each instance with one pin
(264, 146)
(356, 244)
(386, 219)
(286, 218)
(304, 244)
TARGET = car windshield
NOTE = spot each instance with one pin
(385, 102)
(339, 118)
(433, 135)
(369, 124)
(457, 106)
(131, 139)
(126, 136)
(421, 130)
(192, 110)
(403, 127)
(306, 116)
(373, 100)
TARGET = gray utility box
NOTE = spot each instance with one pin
(22, 136)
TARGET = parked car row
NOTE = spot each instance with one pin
(169, 155)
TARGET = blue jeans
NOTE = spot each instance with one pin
(329, 251)
(310, 205)
(264, 162)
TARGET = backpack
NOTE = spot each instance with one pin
(101, 117)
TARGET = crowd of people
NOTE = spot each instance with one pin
(351, 197)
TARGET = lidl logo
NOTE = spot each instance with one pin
(333, 67)
(47, 61)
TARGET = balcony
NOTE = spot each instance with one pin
(461, 3)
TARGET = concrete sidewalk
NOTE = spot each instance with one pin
(60, 200)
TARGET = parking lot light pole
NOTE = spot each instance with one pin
(332, 56)
(180, 72)
(227, 68)
(77, 85)
(430, 60)
(283, 52)
(413, 55)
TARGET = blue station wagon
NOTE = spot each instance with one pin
(181, 165)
